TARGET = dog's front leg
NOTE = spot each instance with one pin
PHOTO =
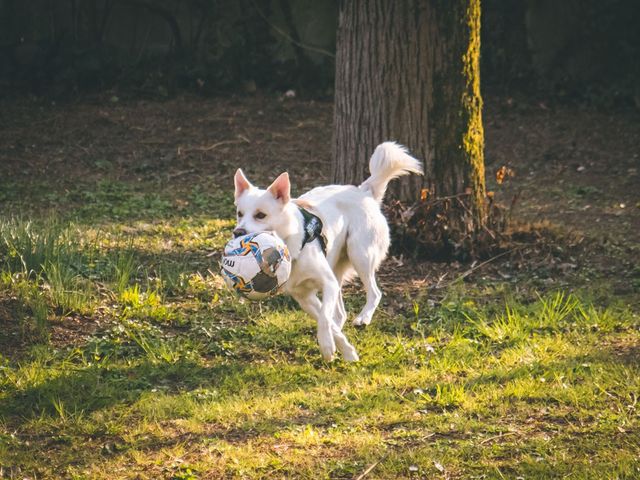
(330, 293)
(340, 315)
(330, 299)
(311, 304)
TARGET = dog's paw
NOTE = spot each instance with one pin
(362, 320)
(327, 349)
(350, 355)
(327, 354)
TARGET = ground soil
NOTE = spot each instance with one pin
(576, 170)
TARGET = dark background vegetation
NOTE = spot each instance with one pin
(577, 50)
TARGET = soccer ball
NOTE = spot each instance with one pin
(256, 265)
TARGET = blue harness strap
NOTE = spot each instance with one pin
(312, 229)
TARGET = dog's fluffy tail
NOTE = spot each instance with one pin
(389, 160)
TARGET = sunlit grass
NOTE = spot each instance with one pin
(274, 400)
(184, 380)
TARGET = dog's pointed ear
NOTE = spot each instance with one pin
(281, 188)
(241, 183)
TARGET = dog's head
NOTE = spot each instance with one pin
(261, 210)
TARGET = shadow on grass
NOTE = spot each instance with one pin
(78, 392)
(54, 415)
(82, 391)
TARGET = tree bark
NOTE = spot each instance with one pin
(408, 70)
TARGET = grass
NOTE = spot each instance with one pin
(182, 380)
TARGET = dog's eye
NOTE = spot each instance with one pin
(240, 214)
(260, 215)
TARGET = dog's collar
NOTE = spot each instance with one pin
(312, 226)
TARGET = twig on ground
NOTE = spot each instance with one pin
(495, 437)
(466, 273)
(605, 392)
(241, 139)
(84, 149)
(370, 468)
(180, 173)
(440, 279)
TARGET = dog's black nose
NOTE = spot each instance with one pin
(238, 232)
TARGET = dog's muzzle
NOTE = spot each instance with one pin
(239, 232)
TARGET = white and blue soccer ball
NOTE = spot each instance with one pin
(256, 265)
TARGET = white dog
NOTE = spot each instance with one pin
(332, 232)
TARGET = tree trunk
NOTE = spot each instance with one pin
(408, 70)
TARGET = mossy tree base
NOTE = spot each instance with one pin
(443, 229)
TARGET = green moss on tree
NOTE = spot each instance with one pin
(473, 137)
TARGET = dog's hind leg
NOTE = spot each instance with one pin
(365, 263)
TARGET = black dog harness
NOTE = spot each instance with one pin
(312, 230)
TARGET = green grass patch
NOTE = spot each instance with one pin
(178, 378)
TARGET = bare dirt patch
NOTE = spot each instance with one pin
(576, 170)
(180, 140)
